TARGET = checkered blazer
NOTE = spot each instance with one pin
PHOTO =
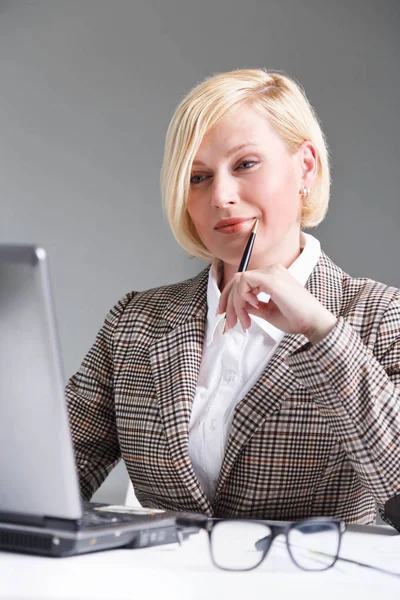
(318, 434)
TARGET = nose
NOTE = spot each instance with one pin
(224, 190)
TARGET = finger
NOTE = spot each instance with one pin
(251, 298)
(230, 314)
(266, 280)
(235, 302)
(262, 310)
(240, 308)
(224, 298)
(240, 302)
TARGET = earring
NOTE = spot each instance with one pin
(305, 193)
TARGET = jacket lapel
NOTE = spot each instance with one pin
(175, 362)
(264, 399)
(278, 381)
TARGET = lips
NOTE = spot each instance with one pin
(233, 225)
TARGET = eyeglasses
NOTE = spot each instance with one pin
(242, 545)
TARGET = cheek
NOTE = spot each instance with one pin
(198, 217)
(285, 212)
(278, 195)
(193, 210)
(288, 213)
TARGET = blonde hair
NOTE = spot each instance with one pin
(287, 109)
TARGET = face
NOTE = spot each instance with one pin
(243, 171)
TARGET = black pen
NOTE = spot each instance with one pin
(245, 258)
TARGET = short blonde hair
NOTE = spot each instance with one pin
(287, 109)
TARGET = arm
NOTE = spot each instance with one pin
(359, 394)
(356, 390)
(90, 402)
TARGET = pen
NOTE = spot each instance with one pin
(245, 258)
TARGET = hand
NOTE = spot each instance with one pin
(291, 307)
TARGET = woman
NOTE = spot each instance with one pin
(294, 411)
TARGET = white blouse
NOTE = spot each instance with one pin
(231, 364)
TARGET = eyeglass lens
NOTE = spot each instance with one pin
(241, 545)
(233, 544)
(314, 546)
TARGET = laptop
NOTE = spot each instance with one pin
(41, 511)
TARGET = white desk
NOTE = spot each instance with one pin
(186, 572)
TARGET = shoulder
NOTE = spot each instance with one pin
(155, 303)
(161, 298)
(354, 290)
(369, 305)
(362, 293)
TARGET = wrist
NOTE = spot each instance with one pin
(321, 329)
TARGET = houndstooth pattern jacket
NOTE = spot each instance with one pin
(318, 434)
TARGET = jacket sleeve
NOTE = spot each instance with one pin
(358, 391)
(90, 403)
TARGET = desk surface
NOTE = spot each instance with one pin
(186, 572)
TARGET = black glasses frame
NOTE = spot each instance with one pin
(265, 544)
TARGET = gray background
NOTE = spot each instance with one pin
(87, 91)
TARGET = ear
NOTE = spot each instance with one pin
(308, 164)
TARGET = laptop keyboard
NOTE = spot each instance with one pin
(93, 518)
(97, 518)
(90, 518)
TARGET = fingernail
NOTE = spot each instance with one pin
(225, 326)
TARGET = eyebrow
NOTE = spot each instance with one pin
(231, 151)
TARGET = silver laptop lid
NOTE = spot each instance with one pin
(37, 466)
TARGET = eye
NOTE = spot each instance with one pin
(196, 179)
(246, 164)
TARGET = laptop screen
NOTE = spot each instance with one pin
(37, 471)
